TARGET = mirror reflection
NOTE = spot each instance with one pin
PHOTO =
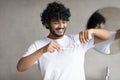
(107, 18)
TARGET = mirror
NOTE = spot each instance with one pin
(112, 17)
(99, 62)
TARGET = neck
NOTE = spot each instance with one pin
(54, 37)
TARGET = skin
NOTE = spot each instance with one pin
(57, 29)
(101, 26)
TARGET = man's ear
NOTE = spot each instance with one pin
(98, 26)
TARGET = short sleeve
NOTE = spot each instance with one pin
(85, 46)
(104, 47)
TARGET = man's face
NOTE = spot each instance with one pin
(57, 28)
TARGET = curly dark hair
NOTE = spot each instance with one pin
(55, 10)
(96, 18)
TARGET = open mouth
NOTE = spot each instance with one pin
(60, 30)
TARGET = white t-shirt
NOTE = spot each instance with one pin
(67, 64)
(104, 46)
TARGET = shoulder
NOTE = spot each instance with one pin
(41, 42)
(73, 36)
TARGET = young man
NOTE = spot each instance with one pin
(59, 56)
(97, 21)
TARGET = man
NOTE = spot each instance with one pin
(97, 21)
(59, 56)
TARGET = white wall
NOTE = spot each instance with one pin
(20, 25)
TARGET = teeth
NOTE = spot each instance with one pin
(60, 30)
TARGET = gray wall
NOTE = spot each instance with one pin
(20, 25)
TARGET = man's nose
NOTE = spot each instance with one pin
(61, 25)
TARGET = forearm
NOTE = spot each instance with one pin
(100, 35)
(26, 62)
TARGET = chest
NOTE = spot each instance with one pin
(62, 59)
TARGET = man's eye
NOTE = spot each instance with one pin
(64, 22)
(55, 22)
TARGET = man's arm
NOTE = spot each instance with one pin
(117, 36)
(99, 35)
(26, 62)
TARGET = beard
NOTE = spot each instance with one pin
(55, 32)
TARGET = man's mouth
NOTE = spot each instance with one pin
(60, 30)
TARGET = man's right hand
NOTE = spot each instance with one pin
(51, 47)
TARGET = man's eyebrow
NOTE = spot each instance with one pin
(55, 20)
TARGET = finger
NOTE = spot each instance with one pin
(56, 46)
(86, 36)
(81, 37)
(51, 49)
